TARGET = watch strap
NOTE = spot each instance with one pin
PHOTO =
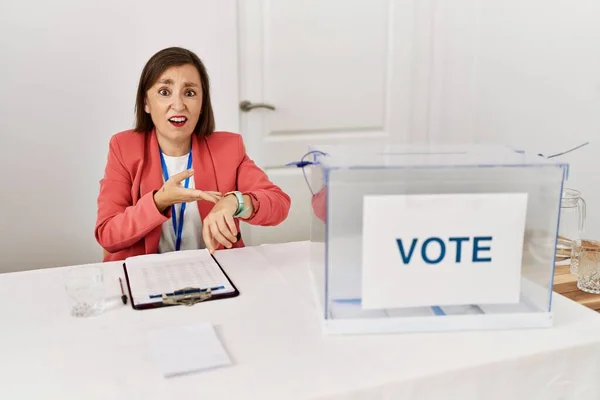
(241, 208)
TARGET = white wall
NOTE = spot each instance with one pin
(521, 72)
(68, 75)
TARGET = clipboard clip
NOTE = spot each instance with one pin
(187, 296)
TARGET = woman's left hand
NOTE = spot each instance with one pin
(218, 226)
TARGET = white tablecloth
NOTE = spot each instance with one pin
(273, 335)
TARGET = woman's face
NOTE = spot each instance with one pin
(175, 101)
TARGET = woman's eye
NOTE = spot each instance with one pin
(163, 92)
(190, 93)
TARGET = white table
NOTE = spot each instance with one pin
(273, 336)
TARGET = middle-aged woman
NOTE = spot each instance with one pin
(173, 183)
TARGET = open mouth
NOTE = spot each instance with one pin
(178, 121)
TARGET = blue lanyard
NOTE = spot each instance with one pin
(177, 228)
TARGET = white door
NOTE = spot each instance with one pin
(335, 71)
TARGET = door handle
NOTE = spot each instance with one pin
(246, 106)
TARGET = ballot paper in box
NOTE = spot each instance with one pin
(423, 238)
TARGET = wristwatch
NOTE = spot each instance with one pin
(241, 208)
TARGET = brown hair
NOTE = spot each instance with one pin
(154, 68)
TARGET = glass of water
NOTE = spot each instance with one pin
(85, 291)
(587, 253)
(572, 225)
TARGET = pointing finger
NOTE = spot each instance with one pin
(189, 195)
(177, 178)
(215, 194)
(208, 196)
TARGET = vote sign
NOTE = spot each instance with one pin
(442, 249)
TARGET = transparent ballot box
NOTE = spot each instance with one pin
(425, 238)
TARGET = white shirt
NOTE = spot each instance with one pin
(191, 236)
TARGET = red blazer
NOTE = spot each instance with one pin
(128, 222)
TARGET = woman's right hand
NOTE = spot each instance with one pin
(173, 192)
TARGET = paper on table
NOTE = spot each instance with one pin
(155, 274)
(187, 349)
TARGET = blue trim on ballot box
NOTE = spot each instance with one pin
(436, 309)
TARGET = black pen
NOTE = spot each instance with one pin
(123, 297)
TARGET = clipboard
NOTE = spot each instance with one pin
(188, 296)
